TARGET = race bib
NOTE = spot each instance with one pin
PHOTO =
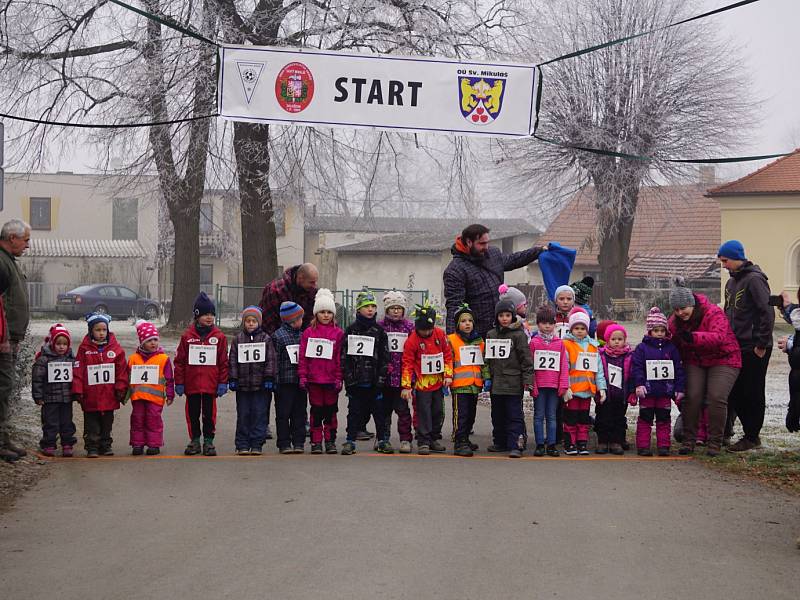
(547, 360)
(202, 356)
(254, 352)
(319, 348)
(561, 330)
(432, 364)
(587, 361)
(397, 341)
(615, 376)
(100, 374)
(498, 349)
(293, 350)
(59, 372)
(658, 370)
(144, 375)
(360, 345)
(471, 356)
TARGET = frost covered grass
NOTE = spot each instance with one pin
(778, 468)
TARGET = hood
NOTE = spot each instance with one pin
(655, 342)
(749, 268)
(513, 327)
(460, 250)
(584, 342)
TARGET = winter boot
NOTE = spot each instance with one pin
(137, 450)
(49, 451)
(602, 448)
(330, 447)
(208, 447)
(92, 453)
(423, 450)
(583, 450)
(286, 450)
(552, 450)
(67, 451)
(385, 448)
(539, 451)
(644, 452)
(316, 448)
(616, 449)
(405, 447)
(437, 446)
(192, 448)
(462, 448)
(570, 449)
(515, 453)
(107, 451)
(663, 451)
(153, 451)
(348, 448)
(256, 451)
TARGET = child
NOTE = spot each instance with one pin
(521, 304)
(320, 373)
(583, 291)
(201, 372)
(251, 374)
(565, 302)
(365, 362)
(290, 400)
(428, 366)
(51, 388)
(550, 379)
(152, 384)
(610, 422)
(397, 329)
(470, 375)
(659, 378)
(100, 382)
(509, 358)
(586, 381)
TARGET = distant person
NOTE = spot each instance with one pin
(791, 346)
(297, 284)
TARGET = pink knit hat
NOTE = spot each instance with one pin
(611, 329)
(655, 318)
(146, 331)
(578, 317)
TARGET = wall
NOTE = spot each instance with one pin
(390, 271)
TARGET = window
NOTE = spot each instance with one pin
(206, 217)
(207, 279)
(125, 219)
(40, 213)
(126, 293)
(108, 292)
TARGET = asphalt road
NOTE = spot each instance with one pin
(372, 526)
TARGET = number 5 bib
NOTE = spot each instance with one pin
(202, 356)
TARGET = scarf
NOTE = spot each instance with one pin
(365, 321)
(616, 352)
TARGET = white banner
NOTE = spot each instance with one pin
(276, 85)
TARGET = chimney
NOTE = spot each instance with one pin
(708, 176)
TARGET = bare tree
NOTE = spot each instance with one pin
(677, 93)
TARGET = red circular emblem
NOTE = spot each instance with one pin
(294, 87)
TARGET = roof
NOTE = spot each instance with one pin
(691, 266)
(53, 248)
(778, 177)
(333, 223)
(408, 243)
(670, 221)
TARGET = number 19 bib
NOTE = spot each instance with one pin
(432, 364)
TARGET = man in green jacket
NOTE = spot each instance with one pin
(14, 239)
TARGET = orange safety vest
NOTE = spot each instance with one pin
(155, 393)
(581, 381)
(464, 376)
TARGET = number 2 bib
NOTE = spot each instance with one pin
(360, 345)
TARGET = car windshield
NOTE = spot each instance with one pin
(80, 290)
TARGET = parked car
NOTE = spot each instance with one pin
(115, 300)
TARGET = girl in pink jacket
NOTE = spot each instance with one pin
(550, 379)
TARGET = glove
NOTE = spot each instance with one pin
(221, 389)
(641, 391)
(793, 415)
(679, 398)
(602, 396)
(448, 381)
(568, 395)
(232, 385)
(179, 389)
(687, 337)
(269, 385)
(632, 400)
(487, 385)
(120, 396)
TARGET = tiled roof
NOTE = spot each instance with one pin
(670, 221)
(780, 176)
(333, 223)
(50, 248)
(666, 266)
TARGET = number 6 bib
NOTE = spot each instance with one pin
(587, 361)
(498, 349)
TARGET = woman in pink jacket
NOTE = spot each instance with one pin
(712, 360)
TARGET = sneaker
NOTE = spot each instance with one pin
(515, 453)
(583, 450)
(743, 445)
(552, 450)
(67, 451)
(269, 433)
(437, 446)
(616, 449)
(348, 448)
(330, 447)
(106, 451)
(713, 450)
(494, 448)
(463, 450)
(644, 452)
(153, 451)
(243, 452)
(209, 449)
(663, 451)
(385, 448)
(92, 453)
(256, 451)
(286, 450)
(298, 450)
(602, 448)
(423, 450)
(405, 447)
(192, 448)
(363, 436)
(137, 450)
(539, 451)
(570, 450)
(316, 448)
(49, 451)
(686, 449)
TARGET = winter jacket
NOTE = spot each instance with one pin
(201, 378)
(284, 289)
(365, 371)
(286, 336)
(511, 375)
(321, 370)
(584, 384)
(52, 392)
(747, 307)
(94, 395)
(475, 280)
(467, 379)
(250, 376)
(618, 389)
(401, 326)
(156, 392)
(14, 290)
(657, 349)
(713, 341)
(416, 347)
(545, 378)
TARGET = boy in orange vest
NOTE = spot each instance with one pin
(152, 384)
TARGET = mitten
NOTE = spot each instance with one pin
(221, 389)
(641, 391)
(232, 383)
(269, 385)
(793, 415)
(406, 394)
(568, 395)
(632, 400)
(687, 337)
(179, 389)
(487, 385)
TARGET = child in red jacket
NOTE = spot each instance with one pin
(99, 383)
(201, 372)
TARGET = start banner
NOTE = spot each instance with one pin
(409, 93)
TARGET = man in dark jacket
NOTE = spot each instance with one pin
(475, 273)
(752, 319)
(297, 284)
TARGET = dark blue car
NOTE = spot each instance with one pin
(115, 300)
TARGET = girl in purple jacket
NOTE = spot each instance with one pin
(659, 378)
(610, 422)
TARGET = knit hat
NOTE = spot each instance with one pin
(504, 305)
(564, 289)
(395, 298)
(513, 294)
(583, 290)
(55, 331)
(612, 327)
(291, 311)
(253, 311)
(601, 328)
(95, 318)
(204, 305)
(424, 316)
(680, 296)
(464, 309)
(324, 301)
(365, 298)
(578, 317)
(732, 249)
(655, 318)
(545, 314)
(146, 331)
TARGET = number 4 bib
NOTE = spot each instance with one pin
(144, 375)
